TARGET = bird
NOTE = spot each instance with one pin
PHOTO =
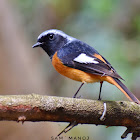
(79, 61)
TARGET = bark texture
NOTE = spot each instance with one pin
(35, 107)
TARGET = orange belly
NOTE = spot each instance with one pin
(74, 74)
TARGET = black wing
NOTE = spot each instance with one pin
(74, 49)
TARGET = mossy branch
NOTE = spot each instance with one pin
(35, 107)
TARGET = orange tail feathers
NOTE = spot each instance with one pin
(122, 88)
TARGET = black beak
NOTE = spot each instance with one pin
(36, 44)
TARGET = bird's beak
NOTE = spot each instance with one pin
(36, 44)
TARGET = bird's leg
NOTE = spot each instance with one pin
(101, 84)
(74, 96)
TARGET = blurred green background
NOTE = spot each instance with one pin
(111, 26)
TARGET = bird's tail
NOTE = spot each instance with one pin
(123, 88)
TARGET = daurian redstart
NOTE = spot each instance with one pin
(79, 61)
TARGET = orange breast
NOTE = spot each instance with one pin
(72, 73)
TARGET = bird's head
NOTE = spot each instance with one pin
(52, 40)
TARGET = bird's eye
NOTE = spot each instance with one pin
(51, 36)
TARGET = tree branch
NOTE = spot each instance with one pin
(35, 107)
(50, 108)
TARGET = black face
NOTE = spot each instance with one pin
(51, 41)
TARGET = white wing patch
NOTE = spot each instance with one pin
(83, 58)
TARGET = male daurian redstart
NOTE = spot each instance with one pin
(79, 61)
